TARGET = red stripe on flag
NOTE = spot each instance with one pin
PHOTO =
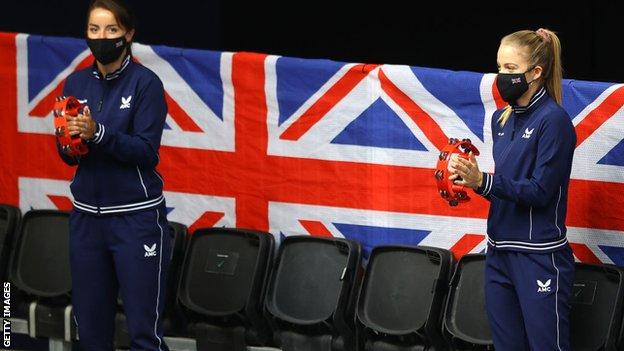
(466, 244)
(207, 220)
(599, 115)
(10, 152)
(43, 161)
(44, 107)
(180, 116)
(316, 228)
(249, 171)
(583, 253)
(63, 203)
(308, 181)
(352, 185)
(331, 97)
(500, 103)
(595, 204)
(431, 129)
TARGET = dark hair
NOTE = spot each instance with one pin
(122, 13)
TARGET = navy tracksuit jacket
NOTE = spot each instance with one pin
(119, 236)
(529, 264)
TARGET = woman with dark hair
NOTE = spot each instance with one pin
(529, 264)
(119, 239)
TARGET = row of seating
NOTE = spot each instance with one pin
(229, 289)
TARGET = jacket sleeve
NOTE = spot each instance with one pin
(140, 147)
(555, 149)
(481, 189)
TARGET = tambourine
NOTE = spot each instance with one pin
(453, 193)
(66, 106)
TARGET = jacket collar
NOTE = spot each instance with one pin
(114, 74)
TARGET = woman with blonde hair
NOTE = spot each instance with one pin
(529, 264)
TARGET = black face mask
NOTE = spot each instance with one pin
(511, 86)
(107, 50)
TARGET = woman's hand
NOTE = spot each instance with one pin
(82, 124)
(467, 169)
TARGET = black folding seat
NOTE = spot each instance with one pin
(222, 287)
(173, 319)
(597, 307)
(312, 293)
(9, 219)
(466, 322)
(401, 302)
(621, 339)
(40, 274)
(596, 316)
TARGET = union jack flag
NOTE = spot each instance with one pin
(298, 146)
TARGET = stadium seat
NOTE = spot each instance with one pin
(621, 340)
(596, 316)
(312, 292)
(402, 298)
(466, 323)
(173, 320)
(597, 307)
(222, 287)
(9, 219)
(39, 271)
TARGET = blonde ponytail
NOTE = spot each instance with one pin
(553, 80)
(504, 116)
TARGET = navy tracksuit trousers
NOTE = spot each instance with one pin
(127, 253)
(527, 299)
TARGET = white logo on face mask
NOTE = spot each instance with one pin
(125, 102)
(527, 133)
(150, 251)
(543, 287)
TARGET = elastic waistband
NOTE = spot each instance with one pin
(530, 246)
(119, 208)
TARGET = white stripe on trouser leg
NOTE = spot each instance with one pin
(556, 299)
(159, 268)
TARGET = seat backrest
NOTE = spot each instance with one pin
(597, 306)
(312, 283)
(466, 321)
(224, 271)
(403, 294)
(40, 259)
(9, 220)
(179, 234)
(620, 344)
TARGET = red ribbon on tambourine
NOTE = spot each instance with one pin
(453, 193)
(66, 106)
